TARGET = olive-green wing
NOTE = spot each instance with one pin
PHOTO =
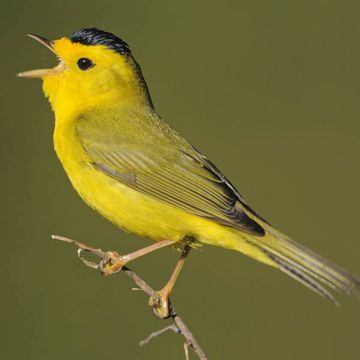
(163, 166)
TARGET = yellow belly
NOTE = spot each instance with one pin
(138, 213)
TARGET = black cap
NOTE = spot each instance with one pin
(93, 36)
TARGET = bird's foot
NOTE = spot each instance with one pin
(112, 263)
(161, 304)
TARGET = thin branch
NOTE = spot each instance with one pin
(155, 334)
(186, 350)
(178, 323)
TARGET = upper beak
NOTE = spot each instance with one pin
(42, 72)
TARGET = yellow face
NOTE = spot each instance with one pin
(86, 75)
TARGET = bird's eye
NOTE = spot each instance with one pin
(85, 64)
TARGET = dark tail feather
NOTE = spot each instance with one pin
(304, 279)
(307, 267)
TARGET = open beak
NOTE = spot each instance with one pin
(40, 73)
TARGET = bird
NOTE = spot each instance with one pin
(138, 172)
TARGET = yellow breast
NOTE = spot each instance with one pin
(133, 211)
(125, 207)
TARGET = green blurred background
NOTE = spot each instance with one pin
(269, 90)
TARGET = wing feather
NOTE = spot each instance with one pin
(165, 167)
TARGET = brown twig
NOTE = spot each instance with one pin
(155, 334)
(178, 323)
(186, 350)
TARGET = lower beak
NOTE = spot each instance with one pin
(40, 73)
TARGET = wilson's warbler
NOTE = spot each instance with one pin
(139, 173)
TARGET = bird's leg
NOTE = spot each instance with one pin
(113, 262)
(161, 304)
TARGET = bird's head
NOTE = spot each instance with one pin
(94, 67)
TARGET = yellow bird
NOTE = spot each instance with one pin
(139, 173)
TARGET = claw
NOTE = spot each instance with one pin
(112, 263)
(161, 304)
